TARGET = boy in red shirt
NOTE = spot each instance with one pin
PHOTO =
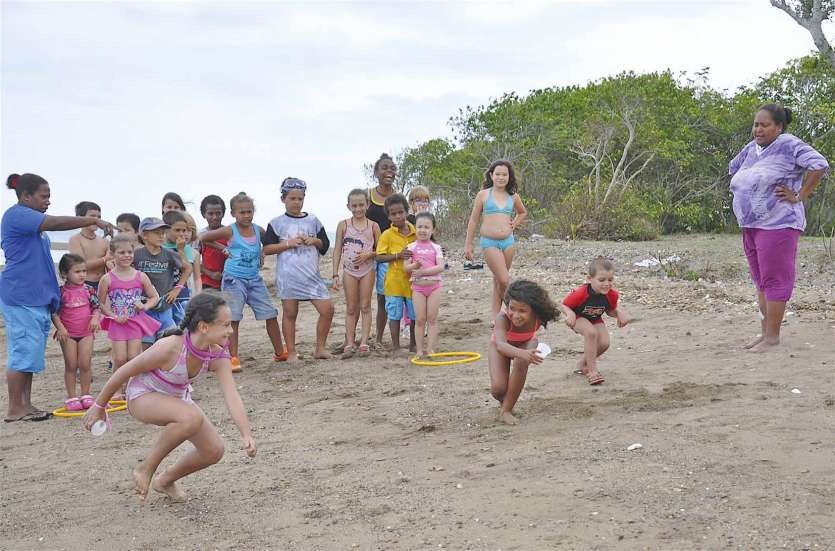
(584, 308)
(213, 254)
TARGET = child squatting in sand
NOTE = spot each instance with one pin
(584, 308)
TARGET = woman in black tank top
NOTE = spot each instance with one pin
(384, 171)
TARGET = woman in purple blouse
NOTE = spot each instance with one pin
(770, 179)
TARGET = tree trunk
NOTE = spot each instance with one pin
(812, 23)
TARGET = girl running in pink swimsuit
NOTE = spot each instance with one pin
(528, 307)
(159, 393)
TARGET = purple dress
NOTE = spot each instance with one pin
(755, 174)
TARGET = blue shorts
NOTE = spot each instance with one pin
(180, 305)
(166, 322)
(394, 308)
(501, 244)
(382, 268)
(27, 330)
(253, 292)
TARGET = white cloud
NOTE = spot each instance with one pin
(123, 102)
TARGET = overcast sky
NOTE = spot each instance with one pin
(122, 102)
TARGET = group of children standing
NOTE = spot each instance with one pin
(136, 287)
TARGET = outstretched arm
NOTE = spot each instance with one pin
(209, 237)
(223, 371)
(58, 223)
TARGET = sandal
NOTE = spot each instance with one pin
(363, 350)
(73, 404)
(594, 378)
(34, 416)
(348, 352)
(236, 364)
(87, 401)
(281, 357)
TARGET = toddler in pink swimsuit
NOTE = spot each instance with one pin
(126, 294)
(75, 324)
(425, 267)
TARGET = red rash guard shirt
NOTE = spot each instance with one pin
(590, 305)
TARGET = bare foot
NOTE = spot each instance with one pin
(171, 490)
(753, 343)
(322, 355)
(294, 358)
(507, 418)
(141, 481)
(580, 368)
(765, 346)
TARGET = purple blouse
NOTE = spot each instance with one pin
(754, 178)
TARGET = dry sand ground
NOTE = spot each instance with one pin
(378, 454)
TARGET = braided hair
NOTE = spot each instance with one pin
(204, 307)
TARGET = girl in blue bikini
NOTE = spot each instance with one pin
(496, 205)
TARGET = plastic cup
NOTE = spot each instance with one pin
(98, 428)
(543, 349)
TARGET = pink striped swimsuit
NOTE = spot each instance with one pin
(354, 242)
(174, 382)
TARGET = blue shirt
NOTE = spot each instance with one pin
(244, 260)
(29, 278)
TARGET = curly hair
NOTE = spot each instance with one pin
(532, 294)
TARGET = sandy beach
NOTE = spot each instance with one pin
(375, 453)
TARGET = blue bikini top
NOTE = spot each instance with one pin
(490, 206)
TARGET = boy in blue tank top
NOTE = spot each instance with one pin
(242, 282)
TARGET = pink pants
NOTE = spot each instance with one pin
(771, 260)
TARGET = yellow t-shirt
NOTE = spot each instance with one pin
(392, 242)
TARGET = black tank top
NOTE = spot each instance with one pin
(377, 213)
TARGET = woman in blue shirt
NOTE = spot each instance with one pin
(29, 292)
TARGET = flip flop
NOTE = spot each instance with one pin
(34, 416)
(595, 378)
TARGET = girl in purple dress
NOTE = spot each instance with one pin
(770, 179)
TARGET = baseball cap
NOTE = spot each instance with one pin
(152, 223)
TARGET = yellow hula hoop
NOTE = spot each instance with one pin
(468, 357)
(112, 407)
